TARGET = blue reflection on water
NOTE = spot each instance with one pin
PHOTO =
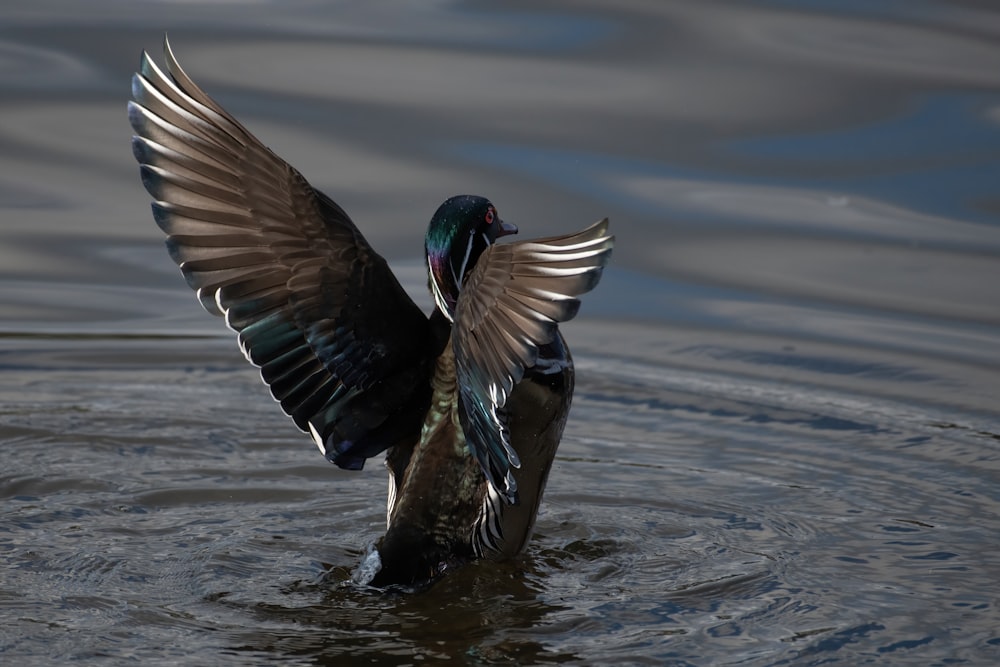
(631, 294)
(941, 156)
(574, 171)
(541, 31)
(960, 132)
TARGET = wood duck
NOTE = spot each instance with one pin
(469, 403)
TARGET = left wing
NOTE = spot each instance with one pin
(510, 305)
(338, 341)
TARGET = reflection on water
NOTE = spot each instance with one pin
(784, 447)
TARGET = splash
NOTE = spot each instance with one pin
(369, 567)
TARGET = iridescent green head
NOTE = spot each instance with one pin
(461, 229)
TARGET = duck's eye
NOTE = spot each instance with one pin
(490, 214)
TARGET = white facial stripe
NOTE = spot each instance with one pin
(465, 261)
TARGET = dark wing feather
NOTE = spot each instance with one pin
(338, 341)
(510, 305)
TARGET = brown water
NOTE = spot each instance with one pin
(785, 445)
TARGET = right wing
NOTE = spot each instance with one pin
(338, 341)
(510, 306)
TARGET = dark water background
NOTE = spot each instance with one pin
(785, 446)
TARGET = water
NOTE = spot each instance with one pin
(785, 444)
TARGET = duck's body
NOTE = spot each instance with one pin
(427, 532)
(469, 403)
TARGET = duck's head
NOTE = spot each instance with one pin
(461, 229)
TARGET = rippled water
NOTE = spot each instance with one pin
(785, 443)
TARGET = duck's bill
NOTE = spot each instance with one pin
(506, 229)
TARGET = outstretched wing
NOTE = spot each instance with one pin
(338, 341)
(510, 305)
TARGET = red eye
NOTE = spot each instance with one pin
(490, 214)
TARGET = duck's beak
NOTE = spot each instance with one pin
(506, 229)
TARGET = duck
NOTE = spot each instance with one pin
(468, 403)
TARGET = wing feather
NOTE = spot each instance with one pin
(509, 306)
